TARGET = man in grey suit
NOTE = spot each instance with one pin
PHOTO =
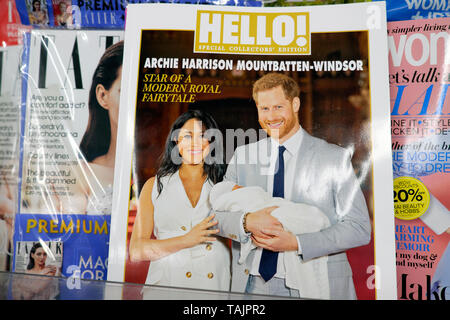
(301, 168)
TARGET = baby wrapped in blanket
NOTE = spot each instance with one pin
(309, 277)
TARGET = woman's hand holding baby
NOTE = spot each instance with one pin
(201, 232)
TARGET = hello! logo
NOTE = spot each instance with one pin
(252, 33)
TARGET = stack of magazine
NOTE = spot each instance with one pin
(148, 151)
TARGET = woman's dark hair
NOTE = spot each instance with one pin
(213, 169)
(97, 138)
(33, 251)
(34, 1)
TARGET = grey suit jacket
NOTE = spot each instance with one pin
(325, 179)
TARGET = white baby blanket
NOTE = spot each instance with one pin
(309, 277)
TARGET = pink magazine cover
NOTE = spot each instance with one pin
(419, 77)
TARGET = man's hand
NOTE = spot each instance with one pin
(262, 219)
(276, 240)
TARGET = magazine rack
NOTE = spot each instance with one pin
(20, 286)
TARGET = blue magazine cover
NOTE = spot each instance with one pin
(398, 10)
(95, 14)
(70, 100)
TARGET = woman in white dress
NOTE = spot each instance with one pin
(174, 206)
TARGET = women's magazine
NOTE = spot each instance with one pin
(418, 77)
(416, 9)
(243, 81)
(70, 90)
(39, 257)
(10, 80)
(9, 142)
(107, 14)
(39, 262)
(9, 29)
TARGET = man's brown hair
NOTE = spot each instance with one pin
(273, 80)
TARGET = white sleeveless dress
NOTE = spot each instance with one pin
(204, 266)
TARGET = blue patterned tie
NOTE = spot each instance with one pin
(269, 259)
